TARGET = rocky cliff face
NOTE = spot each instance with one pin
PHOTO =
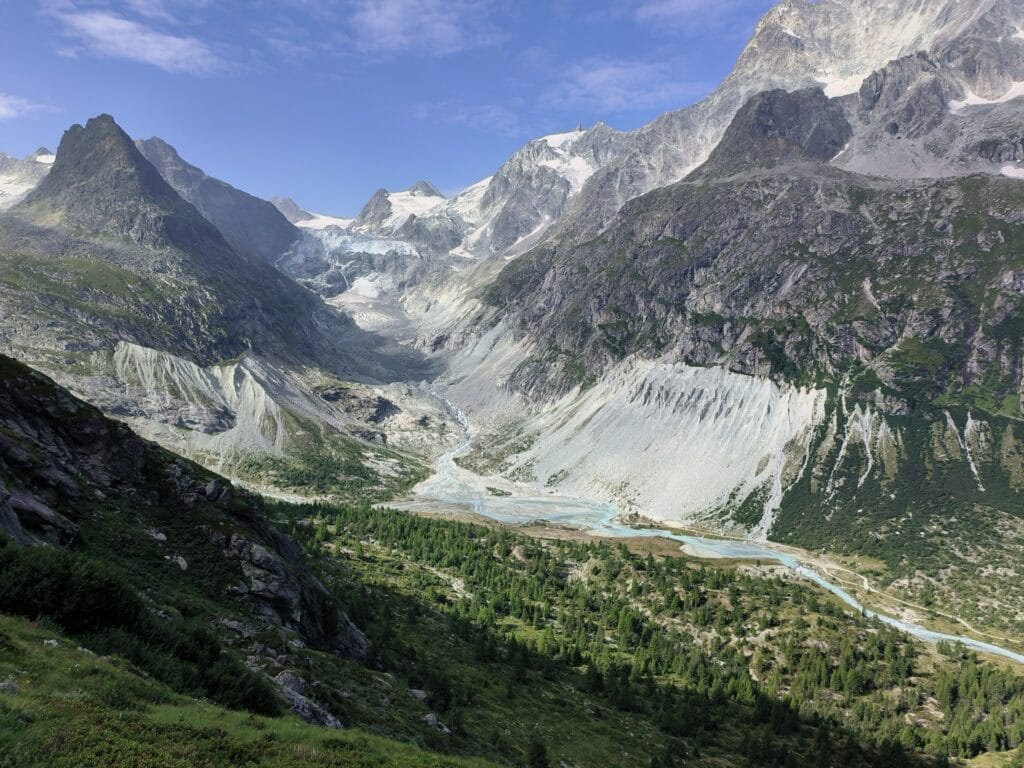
(290, 209)
(251, 226)
(834, 45)
(64, 467)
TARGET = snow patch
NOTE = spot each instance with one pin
(12, 190)
(366, 287)
(562, 140)
(44, 159)
(574, 169)
(1015, 91)
(1013, 171)
(843, 86)
(321, 221)
(410, 203)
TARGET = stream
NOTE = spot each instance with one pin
(451, 484)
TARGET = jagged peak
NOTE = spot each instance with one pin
(424, 188)
(101, 183)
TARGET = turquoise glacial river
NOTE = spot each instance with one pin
(453, 485)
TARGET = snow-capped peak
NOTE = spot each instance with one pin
(386, 212)
(560, 140)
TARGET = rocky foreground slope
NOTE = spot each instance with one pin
(69, 475)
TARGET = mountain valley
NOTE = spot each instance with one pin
(610, 458)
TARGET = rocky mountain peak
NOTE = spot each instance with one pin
(424, 188)
(102, 184)
(779, 126)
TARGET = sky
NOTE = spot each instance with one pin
(328, 100)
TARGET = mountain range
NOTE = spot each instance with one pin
(789, 313)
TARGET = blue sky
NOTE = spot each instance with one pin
(327, 100)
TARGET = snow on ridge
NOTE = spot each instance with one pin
(972, 99)
(466, 204)
(1012, 171)
(410, 203)
(44, 159)
(560, 140)
(322, 221)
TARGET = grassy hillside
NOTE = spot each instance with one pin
(65, 707)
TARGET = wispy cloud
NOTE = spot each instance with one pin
(107, 34)
(501, 119)
(12, 107)
(611, 85)
(152, 9)
(437, 27)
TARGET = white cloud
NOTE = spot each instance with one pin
(611, 85)
(500, 119)
(106, 34)
(12, 107)
(435, 26)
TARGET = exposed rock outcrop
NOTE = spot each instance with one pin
(61, 458)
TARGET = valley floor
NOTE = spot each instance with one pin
(456, 492)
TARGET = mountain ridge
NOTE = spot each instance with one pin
(250, 225)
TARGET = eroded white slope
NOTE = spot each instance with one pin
(222, 414)
(670, 441)
(677, 442)
(222, 411)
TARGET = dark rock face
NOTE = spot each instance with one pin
(55, 451)
(798, 272)
(60, 458)
(100, 183)
(912, 94)
(425, 188)
(280, 587)
(251, 226)
(431, 234)
(294, 689)
(376, 210)
(779, 126)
